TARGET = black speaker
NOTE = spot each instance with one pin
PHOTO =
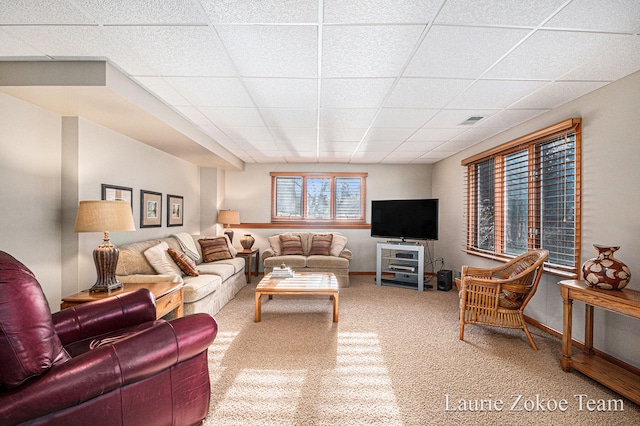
(445, 279)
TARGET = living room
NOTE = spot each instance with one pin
(50, 161)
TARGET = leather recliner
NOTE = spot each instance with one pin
(108, 362)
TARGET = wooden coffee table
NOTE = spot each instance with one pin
(302, 284)
(168, 295)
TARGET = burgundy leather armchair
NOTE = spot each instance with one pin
(108, 362)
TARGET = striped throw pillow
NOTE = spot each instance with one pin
(291, 245)
(185, 263)
(321, 244)
(214, 249)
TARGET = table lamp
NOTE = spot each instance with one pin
(105, 216)
(229, 217)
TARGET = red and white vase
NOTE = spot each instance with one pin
(605, 271)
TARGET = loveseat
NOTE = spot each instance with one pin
(208, 285)
(309, 252)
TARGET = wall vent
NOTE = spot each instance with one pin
(471, 120)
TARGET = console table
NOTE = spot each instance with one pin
(626, 302)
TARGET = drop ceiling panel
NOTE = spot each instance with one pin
(558, 93)
(248, 135)
(194, 115)
(452, 118)
(495, 94)
(294, 135)
(435, 135)
(462, 52)
(272, 51)
(367, 51)
(334, 134)
(160, 87)
(289, 117)
(387, 146)
(34, 12)
(251, 11)
(504, 119)
(389, 134)
(403, 117)
(347, 117)
(599, 15)
(354, 93)
(547, 55)
(12, 46)
(379, 11)
(283, 92)
(425, 92)
(498, 12)
(418, 146)
(176, 50)
(612, 63)
(212, 91)
(143, 11)
(338, 146)
(232, 117)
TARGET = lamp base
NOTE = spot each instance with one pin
(229, 233)
(105, 257)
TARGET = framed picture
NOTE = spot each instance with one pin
(150, 209)
(175, 209)
(113, 192)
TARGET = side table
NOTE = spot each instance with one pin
(249, 253)
(168, 295)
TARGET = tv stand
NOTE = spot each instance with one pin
(404, 261)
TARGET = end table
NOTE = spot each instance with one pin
(249, 253)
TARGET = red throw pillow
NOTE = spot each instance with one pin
(291, 245)
(185, 263)
(214, 249)
(321, 245)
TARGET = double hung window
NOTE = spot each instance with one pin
(318, 197)
(525, 194)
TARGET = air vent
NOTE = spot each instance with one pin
(471, 120)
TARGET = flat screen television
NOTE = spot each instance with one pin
(405, 219)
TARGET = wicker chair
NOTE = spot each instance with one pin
(498, 296)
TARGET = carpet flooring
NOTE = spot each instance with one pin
(394, 358)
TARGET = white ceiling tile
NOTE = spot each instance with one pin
(425, 160)
(462, 52)
(544, 56)
(272, 51)
(341, 135)
(403, 117)
(263, 11)
(267, 156)
(35, 12)
(217, 134)
(163, 90)
(425, 92)
(346, 117)
(611, 63)
(212, 91)
(283, 92)
(248, 135)
(599, 15)
(176, 50)
(387, 146)
(475, 135)
(510, 118)
(259, 145)
(143, 11)
(194, 115)
(451, 118)
(12, 46)
(498, 12)
(403, 156)
(370, 157)
(389, 134)
(367, 51)
(338, 146)
(232, 117)
(294, 134)
(289, 117)
(354, 93)
(558, 93)
(494, 94)
(435, 135)
(418, 146)
(334, 157)
(379, 11)
(302, 157)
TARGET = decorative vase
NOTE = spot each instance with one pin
(605, 271)
(247, 241)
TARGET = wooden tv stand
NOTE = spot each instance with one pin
(627, 302)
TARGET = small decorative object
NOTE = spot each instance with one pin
(605, 271)
(247, 241)
(283, 266)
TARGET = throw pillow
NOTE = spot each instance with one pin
(274, 242)
(321, 244)
(215, 249)
(185, 263)
(338, 244)
(158, 256)
(291, 245)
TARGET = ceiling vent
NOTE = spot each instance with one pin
(471, 120)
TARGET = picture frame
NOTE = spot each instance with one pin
(150, 209)
(114, 192)
(175, 210)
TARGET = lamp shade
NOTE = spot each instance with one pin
(101, 216)
(229, 217)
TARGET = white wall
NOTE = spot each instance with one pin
(610, 205)
(249, 192)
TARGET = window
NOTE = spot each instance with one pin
(318, 197)
(525, 194)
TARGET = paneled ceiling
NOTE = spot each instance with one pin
(347, 81)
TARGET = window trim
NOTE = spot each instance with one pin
(319, 222)
(530, 142)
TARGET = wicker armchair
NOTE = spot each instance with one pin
(498, 296)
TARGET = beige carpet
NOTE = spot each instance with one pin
(394, 358)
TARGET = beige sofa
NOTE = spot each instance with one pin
(218, 282)
(337, 261)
